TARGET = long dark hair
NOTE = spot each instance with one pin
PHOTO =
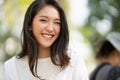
(59, 55)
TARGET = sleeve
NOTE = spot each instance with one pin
(80, 72)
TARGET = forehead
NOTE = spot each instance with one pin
(48, 11)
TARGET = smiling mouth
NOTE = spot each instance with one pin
(48, 36)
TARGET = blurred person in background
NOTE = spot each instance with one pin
(109, 56)
(45, 54)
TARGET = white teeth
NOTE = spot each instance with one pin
(47, 36)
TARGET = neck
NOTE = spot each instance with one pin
(112, 59)
(44, 52)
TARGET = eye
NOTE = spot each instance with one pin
(43, 20)
(57, 23)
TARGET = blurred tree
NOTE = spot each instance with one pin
(105, 9)
(104, 17)
(11, 18)
(103, 14)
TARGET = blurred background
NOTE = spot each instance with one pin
(88, 20)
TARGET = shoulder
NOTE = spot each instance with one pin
(14, 59)
(9, 67)
(11, 63)
(114, 73)
(78, 65)
(75, 58)
(101, 69)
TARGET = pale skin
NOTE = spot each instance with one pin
(113, 59)
(46, 29)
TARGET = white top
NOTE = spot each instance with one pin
(18, 69)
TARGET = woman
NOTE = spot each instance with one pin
(109, 56)
(44, 54)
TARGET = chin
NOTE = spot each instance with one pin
(46, 46)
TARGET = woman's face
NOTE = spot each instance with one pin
(46, 26)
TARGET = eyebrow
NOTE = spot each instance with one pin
(47, 17)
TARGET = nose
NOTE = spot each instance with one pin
(49, 27)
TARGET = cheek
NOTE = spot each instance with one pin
(58, 30)
(35, 29)
(36, 26)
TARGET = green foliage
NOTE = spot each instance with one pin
(105, 9)
(23, 4)
(11, 13)
(89, 32)
(101, 10)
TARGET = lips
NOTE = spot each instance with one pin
(47, 36)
